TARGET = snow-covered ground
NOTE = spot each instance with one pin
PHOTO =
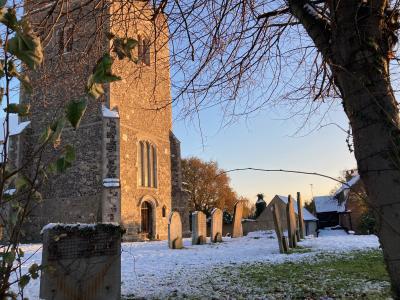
(150, 269)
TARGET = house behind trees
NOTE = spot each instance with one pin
(346, 207)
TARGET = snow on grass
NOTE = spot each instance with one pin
(151, 269)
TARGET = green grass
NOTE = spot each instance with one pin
(299, 249)
(356, 275)
(353, 275)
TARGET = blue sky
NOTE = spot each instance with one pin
(267, 140)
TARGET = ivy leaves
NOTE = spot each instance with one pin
(102, 74)
(123, 48)
(25, 45)
(75, 111)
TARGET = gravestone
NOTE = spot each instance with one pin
(216, 226)
(278, 229)
(291, 223)
(237, 229)
(300, 216)
(285, 244)
(175, 231)
(81, 261)
(199, 228)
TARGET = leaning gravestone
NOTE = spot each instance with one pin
(291, 223)
(278, 229)
(199, 228)
(175, 231)
(300, 216)
(237, 230)
(216, 225)
(81, 261)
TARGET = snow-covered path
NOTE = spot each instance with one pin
(151, 269)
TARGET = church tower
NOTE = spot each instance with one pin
(122, 172)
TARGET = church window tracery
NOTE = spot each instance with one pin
(147, 165)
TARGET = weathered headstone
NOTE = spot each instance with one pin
(291, 223)
(175, 231)
(82, 261)
(300, 216)
(285, 244)
(199, 228)
(237, 229)
(216, 225)
(278, 228)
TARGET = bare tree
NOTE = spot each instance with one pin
(304, 49)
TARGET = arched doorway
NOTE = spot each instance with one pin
(147, 219)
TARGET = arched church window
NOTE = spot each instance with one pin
(144, 50)
(164, 211)
(154, 165)
(147, 164)
(142, 164)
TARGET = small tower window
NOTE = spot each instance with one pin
(65, 39)
(164, 211)
(144, 50)
(147, 165)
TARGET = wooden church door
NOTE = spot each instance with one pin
(147, 219)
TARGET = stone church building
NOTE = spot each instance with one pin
(127, 166)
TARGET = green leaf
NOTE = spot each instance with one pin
(21, 252)
(9, 257)
(3, 3)
(21, 182)
(2, 68)
(52, 168)
(123, 47)
(26, 46)
(9, 18)
(62, 165)
(21, 109)
(75, 111)
(1, 94)
(26, 83)
(23, 78)
(12, 69)
(37, 196)
(24, 280)
(44, 137)
(34, 271)
(69, 153)
(102, 74)
(57, 128)
(94, 89)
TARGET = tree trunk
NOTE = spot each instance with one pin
(376, 145)
(360, 65)
(356, 42)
